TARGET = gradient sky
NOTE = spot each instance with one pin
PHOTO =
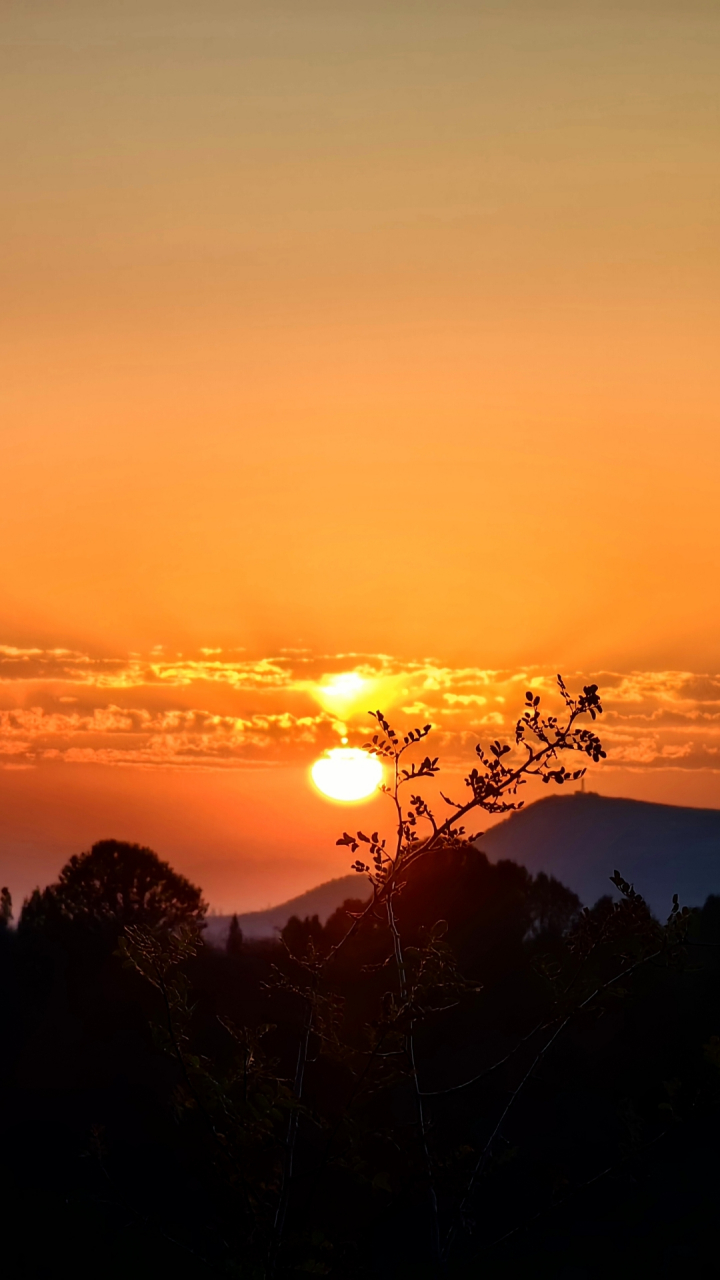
(347, 328)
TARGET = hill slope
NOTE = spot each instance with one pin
(320, 901)
(581, 839)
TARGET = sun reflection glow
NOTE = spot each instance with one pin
(347, 774)
(344, 693)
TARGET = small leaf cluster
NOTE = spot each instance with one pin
(388, 747)
(377, 850)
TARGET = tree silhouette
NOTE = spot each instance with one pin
(554, 908)
(5, 908)
(234, 944)
(113, 885)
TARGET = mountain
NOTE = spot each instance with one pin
(320, 901)
(582, 838)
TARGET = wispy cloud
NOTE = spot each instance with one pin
(228, 709)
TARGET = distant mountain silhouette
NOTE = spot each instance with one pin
(321, 901)
(581, 838)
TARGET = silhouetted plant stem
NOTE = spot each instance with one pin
(419, 1105)
(177, 1051)
(485, 1153)
(486, 1071)
(291, 1138)
(207, 1118)
(152, 958)
(357, 1086)
(582, 1186)
(409, 1037)
(544, 1025)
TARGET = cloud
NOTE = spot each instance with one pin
(226, 709)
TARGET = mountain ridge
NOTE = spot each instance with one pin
(321, 900)
(582, 838)
(579, 838)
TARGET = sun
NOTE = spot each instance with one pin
(347, 773)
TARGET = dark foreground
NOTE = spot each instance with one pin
(178, 1110)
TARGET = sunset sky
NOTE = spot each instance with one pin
(372, 336)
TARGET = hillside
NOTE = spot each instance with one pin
(581, 839)
(320, 901)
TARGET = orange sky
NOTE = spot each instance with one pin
(354, 327)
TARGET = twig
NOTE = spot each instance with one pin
(285, 1187)
(466, 1084)
(482, 1160)
(421, 1122)
(555, 1204)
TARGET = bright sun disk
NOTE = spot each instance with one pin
(347, 773)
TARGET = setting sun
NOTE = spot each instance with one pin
(347, 773)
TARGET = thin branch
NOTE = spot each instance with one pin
(597, 1177)
(466, 1084)
(421, 1121)
(285, 1187)
(482, 1160)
